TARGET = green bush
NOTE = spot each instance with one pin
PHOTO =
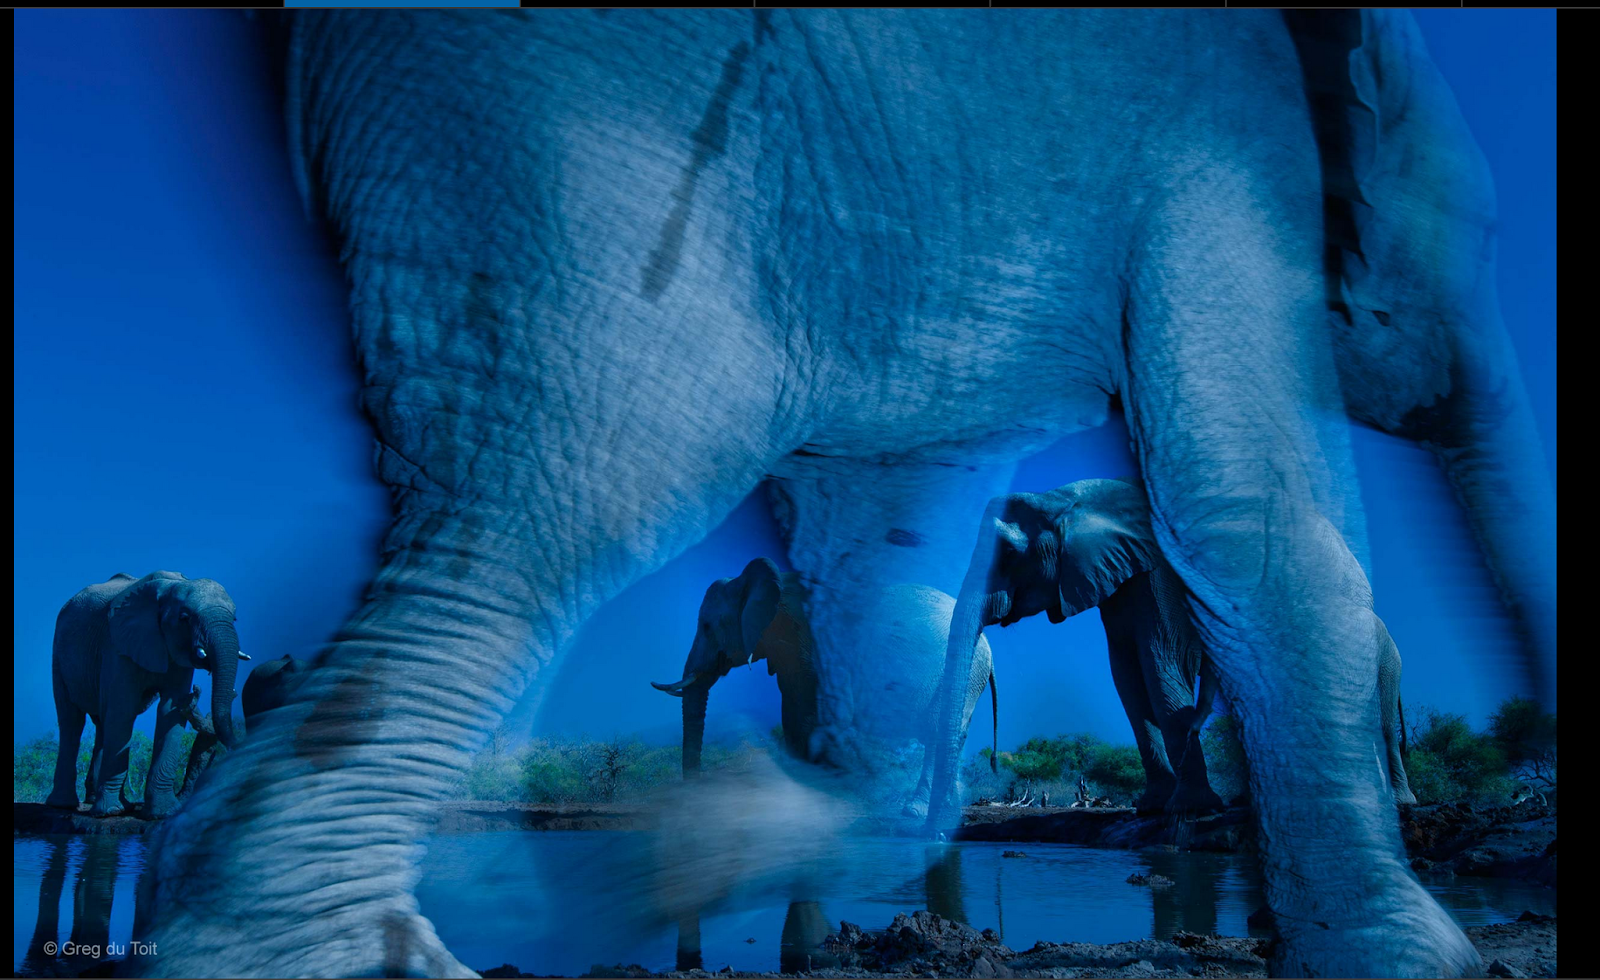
(34, 767)
(1449, 762)
(1526, 735)
(574, 771)
(1052, 766)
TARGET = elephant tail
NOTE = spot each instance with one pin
(1400, 706)
(994, 708)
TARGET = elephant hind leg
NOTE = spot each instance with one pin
(69, 718)
(1241, 436)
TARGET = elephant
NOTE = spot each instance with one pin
(121, 645)
(760, 615)
(613, 270)
(268, 687)
(1090, 544)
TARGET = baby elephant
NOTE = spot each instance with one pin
(269, 687)
(760, 615)
(1090, 544)
(122, 645)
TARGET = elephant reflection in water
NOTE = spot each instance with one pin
(799, 946)
(1189, 904)
(91, 908)
(806, 925)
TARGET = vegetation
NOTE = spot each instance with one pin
(579, 771)
(1449, 762)
(1052, 766)
(34, 766)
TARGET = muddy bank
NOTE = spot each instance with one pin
(36, 818)
(1442, 839)
(1496, 842)
(1118, 827)
(927, 945)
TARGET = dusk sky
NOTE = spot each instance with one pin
(185, 393)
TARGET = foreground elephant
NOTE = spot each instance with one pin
(612, 269)
(1090, 544)
(760, 615)
(121, 645)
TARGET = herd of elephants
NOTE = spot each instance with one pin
(612, 270)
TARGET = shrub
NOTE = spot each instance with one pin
(1450, 762)
(1526, 735)
(558, 771)
(34, 767)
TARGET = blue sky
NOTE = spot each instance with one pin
(185, 395)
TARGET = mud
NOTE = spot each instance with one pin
(927, 945)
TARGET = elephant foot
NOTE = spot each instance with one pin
(1405, 797)
(157, 809)
(1152, 803)
(62, 801)
(1190, 801)
(108, 811)
(1402, 933)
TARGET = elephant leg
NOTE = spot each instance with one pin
(689, 942)
(91, 783)
(1238, 423)
(202, 753)
(1126, 674)
(854, 527)
(69, 720)
(507, 536)
(112, 742)
(1172, 696)
(166, 759)
(800, 948)
(1389, 713)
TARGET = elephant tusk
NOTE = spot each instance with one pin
(200, 652)
(243, 655)
(676, 687)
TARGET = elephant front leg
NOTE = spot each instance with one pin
(1238, 423)
(1159, 780)
(111, 741)
(166, 759)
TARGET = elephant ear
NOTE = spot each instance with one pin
(761, 595)
(1106, 539)
(135, 621)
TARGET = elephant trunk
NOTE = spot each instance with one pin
(975, 609)
(1484, 436)
(223, 655)
(694, 726)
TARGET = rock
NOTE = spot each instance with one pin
(1151, 880)
(1500, 968)
(1014, 854)
(1535, 917)
(1261, 918)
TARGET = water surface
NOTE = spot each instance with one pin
(561, 902)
